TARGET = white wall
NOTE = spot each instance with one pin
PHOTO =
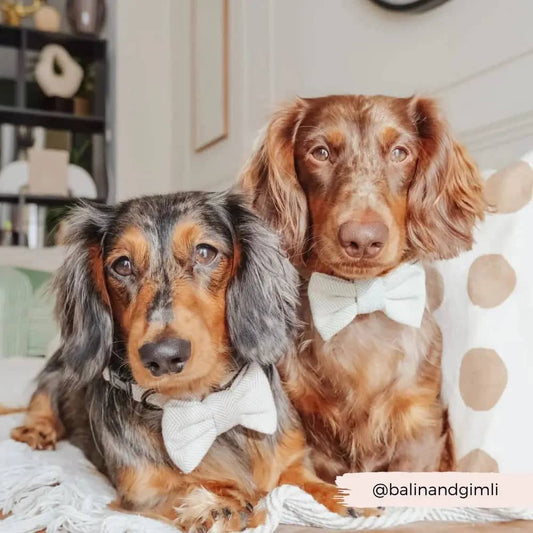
(219, 163)
(475, 55)
(143, 98)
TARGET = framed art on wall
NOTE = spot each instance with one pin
(209, 72)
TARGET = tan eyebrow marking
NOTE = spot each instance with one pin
(388, 136)
(185, 235)
(335, 137)
(134, 244)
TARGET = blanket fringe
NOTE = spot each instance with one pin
(61, 491)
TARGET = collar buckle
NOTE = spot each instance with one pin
(113, 379)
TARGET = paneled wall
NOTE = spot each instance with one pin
(142, 96)
(475, 55)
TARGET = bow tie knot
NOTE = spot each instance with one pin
(190, 427)
(335, 302)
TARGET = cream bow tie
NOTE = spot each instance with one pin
(191, 427)
(335, 302)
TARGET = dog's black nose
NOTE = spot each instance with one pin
(168, 356)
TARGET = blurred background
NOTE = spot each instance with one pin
(109, 99)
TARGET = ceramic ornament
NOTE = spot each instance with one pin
(64, 84)
(47, 18)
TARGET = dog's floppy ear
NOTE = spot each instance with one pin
(269, 178)
(262, 297)
(445, 197)
(82, 305)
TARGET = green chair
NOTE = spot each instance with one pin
(27, 325)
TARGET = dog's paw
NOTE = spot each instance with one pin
(40, 434)
(201, 511)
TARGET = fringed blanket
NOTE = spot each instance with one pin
(61, 491)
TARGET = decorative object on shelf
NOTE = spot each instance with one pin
(210, 94)
(6, 233)
(25, 138)
(86, 16)
(47, 18)
(63, 84)
(56, 140)
(80, 182)
(14, 179)
(13, 12)
(408, 5)
(47, 172)
(82, 106)
(85, 95)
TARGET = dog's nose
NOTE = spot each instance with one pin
(168, 356)
(363, 240)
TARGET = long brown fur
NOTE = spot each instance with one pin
(369, 398)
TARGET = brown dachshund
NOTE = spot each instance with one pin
(359, 186)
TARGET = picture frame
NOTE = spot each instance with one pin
(210, 72)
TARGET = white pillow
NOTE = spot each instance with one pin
(483, 302)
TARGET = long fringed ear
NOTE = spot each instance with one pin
(262, 297)
(82, 305)
(445, 198)
(270, 180)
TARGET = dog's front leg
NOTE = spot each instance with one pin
(194, 502)
(298, 471)
(42, 427)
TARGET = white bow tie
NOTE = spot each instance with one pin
(191, 427)
(335, 302)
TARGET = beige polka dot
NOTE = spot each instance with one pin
(510, 189)
(482, 378)
(477, 461)
(434, 288)
(491, 280)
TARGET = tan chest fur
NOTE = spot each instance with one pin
(368, 392)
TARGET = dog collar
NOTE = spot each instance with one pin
(150, 398)
(147, 397)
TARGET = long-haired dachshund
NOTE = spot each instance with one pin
(181, 300)
(362, 189)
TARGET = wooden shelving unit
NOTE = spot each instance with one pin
(48, 201)
(88, 49)
(51, 119)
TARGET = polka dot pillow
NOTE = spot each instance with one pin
(483, 302)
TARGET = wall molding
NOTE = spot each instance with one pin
(491, 109)
(483, 72)
(499, 132)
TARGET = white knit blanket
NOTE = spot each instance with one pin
(61, 491)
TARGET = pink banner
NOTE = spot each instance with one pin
(436, 489)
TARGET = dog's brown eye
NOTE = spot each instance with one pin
(320, 154)
(123, 267)
(205, 253)
(399, 154)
